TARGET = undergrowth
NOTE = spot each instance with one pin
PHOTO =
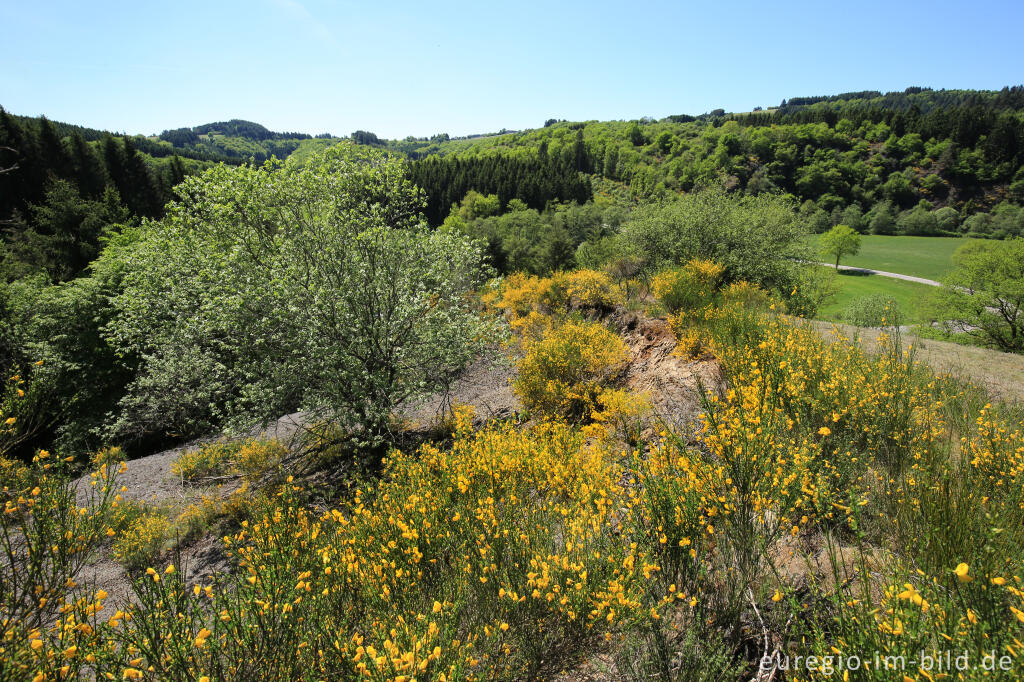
(834, 506)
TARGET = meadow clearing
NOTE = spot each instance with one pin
(928, 257)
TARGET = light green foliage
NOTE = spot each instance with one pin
(526, 240)
(875, 310)
(476, 205)
(919, 221)
(984, 295)
(273, 288)
(81, 377)
(755, 238)
(840, 241)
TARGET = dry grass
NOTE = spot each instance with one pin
(1001, 374)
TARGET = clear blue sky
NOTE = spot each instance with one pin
(419, 68)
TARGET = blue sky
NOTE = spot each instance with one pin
(416, 68)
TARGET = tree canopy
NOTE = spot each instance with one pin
(984, 295)
(841, 240)
(272, 288)
(757, 239)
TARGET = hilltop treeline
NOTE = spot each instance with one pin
(923, 99)
(59, 193)
(915, 162)
(235, 140)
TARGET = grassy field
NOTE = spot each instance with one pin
(855, 286)
(919, 256)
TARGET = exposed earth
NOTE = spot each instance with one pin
(671, 382)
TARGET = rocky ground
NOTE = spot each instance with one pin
(670, 381)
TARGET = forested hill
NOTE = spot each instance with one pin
(62, 185)
(240, 140)
(918, 162)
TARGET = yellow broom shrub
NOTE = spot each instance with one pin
(690, 288)
(565, 372)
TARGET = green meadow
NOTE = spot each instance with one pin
(908, 295)
(929, 257)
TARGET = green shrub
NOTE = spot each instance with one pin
(876, 310)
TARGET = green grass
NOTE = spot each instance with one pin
(908, 295)
(927, 257)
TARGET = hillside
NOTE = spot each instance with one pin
(917, 162)
(237, 139)
(648, 469)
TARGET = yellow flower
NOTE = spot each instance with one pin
(824, 431)
(777, 596)
(998, 581)
(201, 638)
(961, 573)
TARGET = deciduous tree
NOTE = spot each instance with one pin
(274, 288)
(841, 240)
(984, 295)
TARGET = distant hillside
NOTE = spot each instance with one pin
(917, 161)
(914, 162)
(924, 100)
(237, 139)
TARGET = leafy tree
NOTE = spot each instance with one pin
(840, 241)
(919, 221)
(755, 238)
(274, 288)
(881, 219)
(81, 377)
(635, 135)
(947, 220)
(817, 221)
(664, 141)
(853, 217)
(984, 295)
(475, 205)
(898, 190)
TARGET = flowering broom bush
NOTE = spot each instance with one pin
(565, 372)
(508, 551)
